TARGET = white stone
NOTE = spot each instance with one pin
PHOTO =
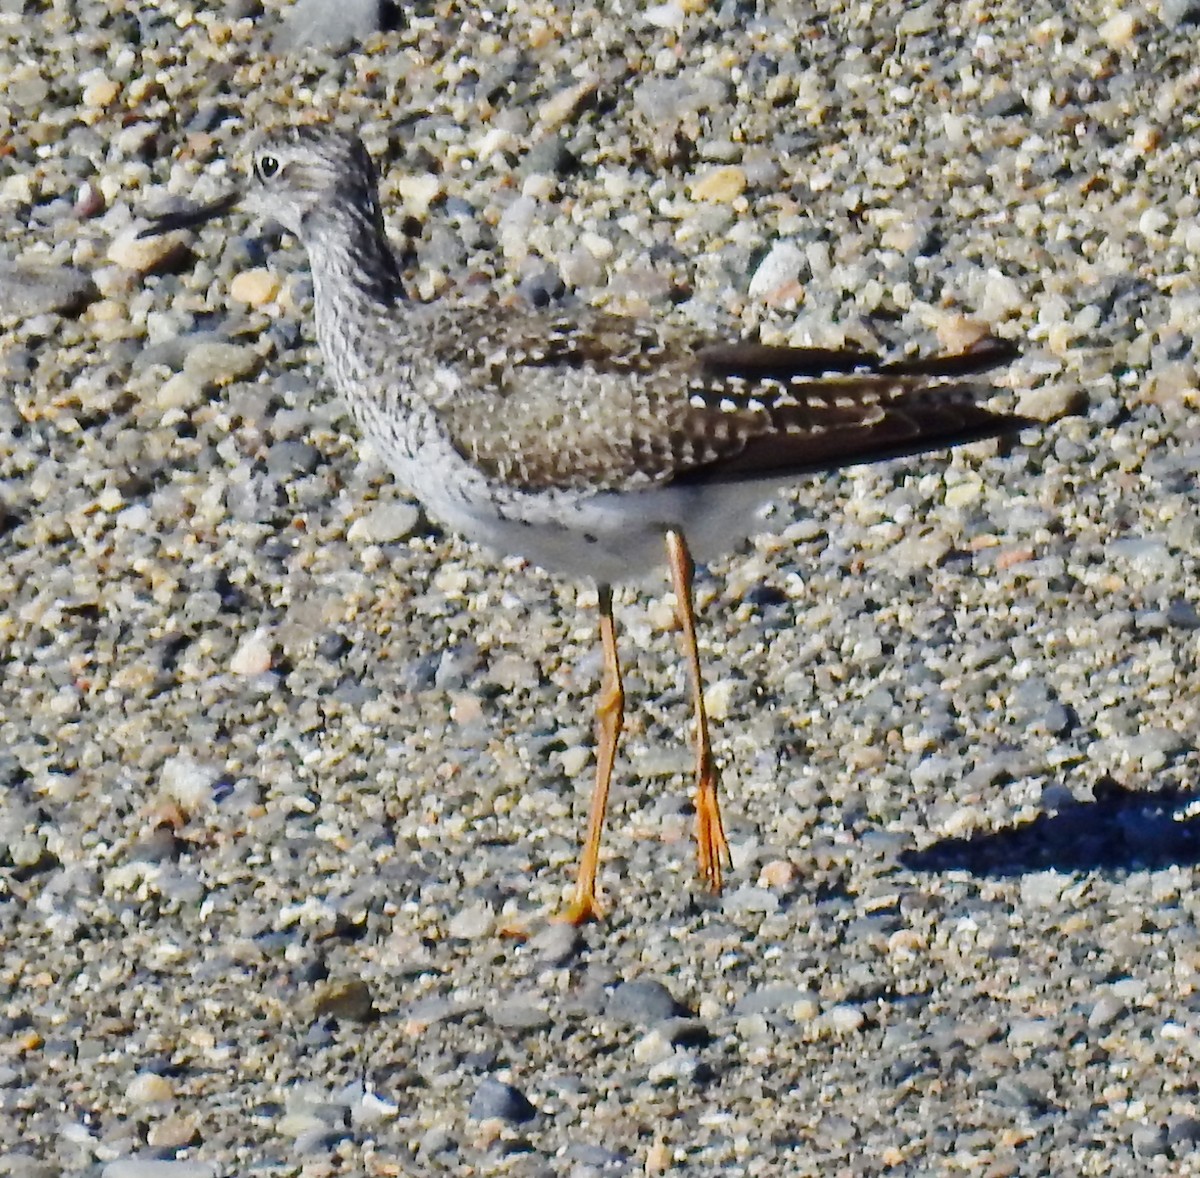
(385, 523)
(846, 1020)
(254, 655)
(472, 923)
(779, 268)
(188, 781)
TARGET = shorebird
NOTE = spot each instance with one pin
(594, 445)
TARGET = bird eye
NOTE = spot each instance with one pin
(268, 165)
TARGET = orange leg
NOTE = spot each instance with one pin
(712, 848)
(610, 716)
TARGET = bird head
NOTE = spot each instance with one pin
(297, 178)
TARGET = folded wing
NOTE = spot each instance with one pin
(607, 403)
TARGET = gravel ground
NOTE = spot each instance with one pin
(290, 782)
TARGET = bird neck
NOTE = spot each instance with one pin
(355, 277)
(350, 254)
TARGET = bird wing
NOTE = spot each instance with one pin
(604, 402)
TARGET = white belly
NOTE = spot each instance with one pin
(614, 537)
(610, 537)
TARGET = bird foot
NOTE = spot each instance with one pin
(582, 910)
(712, 847)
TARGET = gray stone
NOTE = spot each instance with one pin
(643, 1003)
(292, 458)
(320, 24)
(28, 291)
(1150, 1140)
(557, 943)
(519, 1014)
(156, 1168)
(767, 999)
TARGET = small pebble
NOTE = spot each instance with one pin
(256, 287)
(680, 1066)
(778, 873)
(563, 106)
(519, 1014)
(642, 1003)
(317, 24)
(349, 999)
(149, 1088)
(100, 91)
(1107, 1009)
(1150, 1141)
(652, 1048)
(496, 1100)
(26, 292)
(777, 272)
(386, 523)
(215, 363)
(418, 192)
(254, 655)
(719, 697)
(924, 18)
(173, 1132)
(959, 333)
(574, 759)
(145, 255)
(188, 782)
(89, 201)
(179, 391)
(964, 494)
(779, 996)
(748, 899)
(1120, 29)
(659, 1158)
(155, 1168)
(846, 1020)
(557, 943)
(721, 185)
(473, 922)
(665, 16)
(374, 1110)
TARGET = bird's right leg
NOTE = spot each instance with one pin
(610, 716)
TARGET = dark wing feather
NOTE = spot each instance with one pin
(807, 422)
(982, 356)
(753, 361)
(850, 421)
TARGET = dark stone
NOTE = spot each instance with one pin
(1004, 105)
(494, 1099)
(333, 645)
(1182, 614)
(349, 1000)
(1183, 1131)
(549, 157)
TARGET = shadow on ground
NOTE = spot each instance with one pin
(1120, 830)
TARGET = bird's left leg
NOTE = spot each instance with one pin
(712, 848)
